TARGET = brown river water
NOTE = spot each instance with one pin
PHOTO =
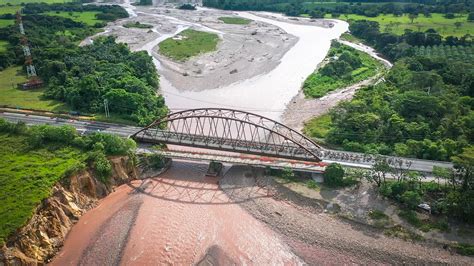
(180, 217)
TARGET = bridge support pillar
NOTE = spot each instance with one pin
(215, 169)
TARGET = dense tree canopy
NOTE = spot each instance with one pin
(424, 110)
(108, 71)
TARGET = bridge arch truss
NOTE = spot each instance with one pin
(229, 130)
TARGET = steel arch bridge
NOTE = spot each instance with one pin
(229, 130)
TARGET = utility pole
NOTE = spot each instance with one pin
(106, 106)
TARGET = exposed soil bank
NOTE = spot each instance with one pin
(39, 240)
(321, 238)
(180, 217)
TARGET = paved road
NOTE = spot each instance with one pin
(351, 159)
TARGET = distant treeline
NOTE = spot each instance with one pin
(366, 8)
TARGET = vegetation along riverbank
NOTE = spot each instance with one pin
(343, 67)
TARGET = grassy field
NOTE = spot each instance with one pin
(397, 25)
(235, 20)
(26, 178)
(3, 46)
(189, 43)
(318, 85)
(318, 127)
(350, 38)
(11, 96)
(6, 22)
(87, 17)
(137, 25)
(8, 9)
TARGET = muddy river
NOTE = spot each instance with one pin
(180, 217)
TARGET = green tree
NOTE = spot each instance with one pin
(411, 198)
(470, 17)
(287, 174)
(334, 175)
(379, 171)
(441, 173)
(464, 164)
(412, 17)
(449, 15)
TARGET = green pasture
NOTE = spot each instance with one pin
(398, 25)
(235, 20)
(189, 43)
(87, 17)
(13, 97)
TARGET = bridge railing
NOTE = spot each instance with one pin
(284, 150)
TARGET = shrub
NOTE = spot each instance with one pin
(397, 189)
(464, 249)
(102, 167)
(39, 135)
(312, 184)
(153, 161)
(287, 174)
(411, 198)
(386, 190)
(411, 217)
(99, 162)
(13, 128)
(334, 175)
(187, 7)
(113, 145)
(377, 215)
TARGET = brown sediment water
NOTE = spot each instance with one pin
(180, 217)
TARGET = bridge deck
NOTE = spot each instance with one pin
(259, 161)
